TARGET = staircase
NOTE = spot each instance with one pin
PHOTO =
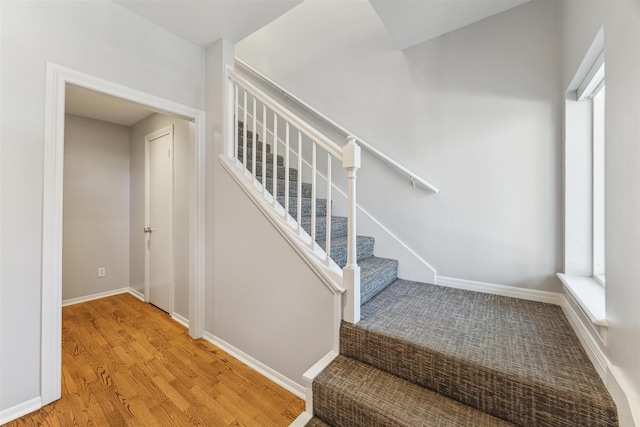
(425, 355)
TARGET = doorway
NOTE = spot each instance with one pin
(51, 313)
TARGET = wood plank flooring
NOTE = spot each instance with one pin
(126, 363)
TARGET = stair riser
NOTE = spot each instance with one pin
(372, 284)
(321, 206)
(339, 251)
(259, 145)
(293, 189)
(259, 157)
(464, 383)
(293, 173)
(338, 227)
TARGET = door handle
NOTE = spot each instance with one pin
(148, 229)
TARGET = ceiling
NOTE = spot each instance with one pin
(96, 105)
(412, 22)
(203, 22)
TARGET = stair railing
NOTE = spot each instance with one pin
(414, 178)
(260, 112)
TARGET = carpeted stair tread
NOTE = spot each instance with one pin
(375, 275)
(321, 206)
(250, 141)
(351, 393)
(293, 189)
(293, 173)
(269, 157)
(364, 246)
(316, 422)
(518, 360)
(338, 226)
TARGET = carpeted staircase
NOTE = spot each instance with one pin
(425, 355)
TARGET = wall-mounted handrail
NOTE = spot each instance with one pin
(413, 177)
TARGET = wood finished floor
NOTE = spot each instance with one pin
(126, 363)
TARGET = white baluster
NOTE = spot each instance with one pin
(264, 147)
(275, 159)
(313, 193)
(351, 272)
(244, 132)
(286, 170)
(255, 140)
(299, 192)
(327, 208)
(236, 118)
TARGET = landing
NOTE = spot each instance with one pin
(497, 338)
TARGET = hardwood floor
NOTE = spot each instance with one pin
(126, 363)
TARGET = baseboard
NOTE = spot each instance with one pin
(302, 420)
(20, 410)
(92, 297)
(310, 375)
(503, 290)
(256, 365)
(136, 294)
(184, 322)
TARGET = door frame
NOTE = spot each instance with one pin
(147, 139)
(51, 294)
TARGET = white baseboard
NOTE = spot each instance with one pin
(302, 420)
(20, 410)
(136, 294)
(503, 290)
(184, 322)
(256, 365)
(92, 297)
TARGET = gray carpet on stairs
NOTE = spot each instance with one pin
(518, 360)
(352, 393)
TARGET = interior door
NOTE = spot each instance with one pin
(159, 215)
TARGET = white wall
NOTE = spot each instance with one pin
(180, 209)
(96, 207)
(98, 38)
(261, 297)
(581, 21)
(476, 112)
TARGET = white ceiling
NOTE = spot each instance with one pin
(96, 105)
(203, 22)
(411, 22)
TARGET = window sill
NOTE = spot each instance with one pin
(590, 296)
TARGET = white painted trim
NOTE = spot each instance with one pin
(311, 374)
(589, 295)
(168, 130)
(507, 291)
(412, 266)
(92, 297)
(256, 365)
(597, 357)
(136, 294)
(302, 420)
(180, 319)
(51, 295)
(20, 410)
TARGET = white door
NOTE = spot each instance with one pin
(159, 216)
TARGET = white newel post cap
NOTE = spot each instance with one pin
(351, 154)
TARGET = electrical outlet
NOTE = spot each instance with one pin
(102, 272)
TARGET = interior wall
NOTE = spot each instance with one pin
(180, 206)
(96, 207)
(476, 112)
(581, 22)
(261, 297)
(99, 38)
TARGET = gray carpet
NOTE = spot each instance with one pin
(518, 360)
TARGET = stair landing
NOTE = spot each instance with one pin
(517, 360)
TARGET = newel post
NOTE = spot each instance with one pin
(351, 271)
